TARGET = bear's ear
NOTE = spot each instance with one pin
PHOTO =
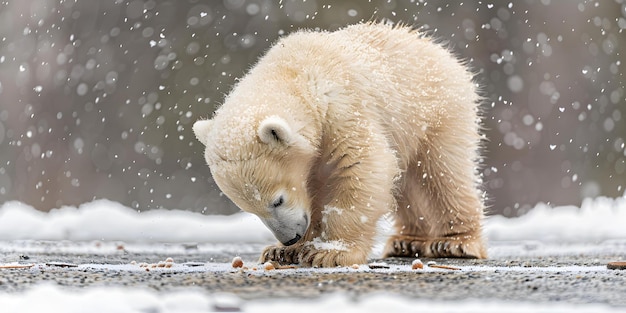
(201, 128)
(275, 129)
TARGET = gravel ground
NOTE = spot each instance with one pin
(573, 278)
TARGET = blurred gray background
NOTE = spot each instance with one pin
(97, 98)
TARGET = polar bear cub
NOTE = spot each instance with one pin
(330, 131)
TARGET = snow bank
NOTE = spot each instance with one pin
(55, 299)
(597, 220)
(108, 220)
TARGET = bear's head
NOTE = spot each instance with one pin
(262, 142)
(263, 169)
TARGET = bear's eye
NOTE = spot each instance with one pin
(278, 202)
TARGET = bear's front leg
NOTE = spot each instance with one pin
(353, 190)
(320, 253)
(337, 237)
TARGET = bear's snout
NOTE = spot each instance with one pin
(287, 228)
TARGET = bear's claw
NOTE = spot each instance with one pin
(282, 255)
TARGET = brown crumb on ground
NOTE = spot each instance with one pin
(417, 264)
(237, 262)
(268, 266)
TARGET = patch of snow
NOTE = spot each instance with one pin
(363, 219)
(597, 220)
(53, 299)
(111, 247)
(328, 209)
(533, 248)
(338, 245)
(108, 220)
(256, 193)
(326, 212)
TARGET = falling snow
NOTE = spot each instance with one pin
(103, 107)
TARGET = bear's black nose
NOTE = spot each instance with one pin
(292, 241)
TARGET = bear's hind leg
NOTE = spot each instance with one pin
(439, 210)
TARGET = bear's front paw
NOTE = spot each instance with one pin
(313, 257)
(281, 254)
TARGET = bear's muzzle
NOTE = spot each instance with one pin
(288, 228)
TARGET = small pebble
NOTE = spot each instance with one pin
(378, 265)
(193, 264)
(61, 264)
